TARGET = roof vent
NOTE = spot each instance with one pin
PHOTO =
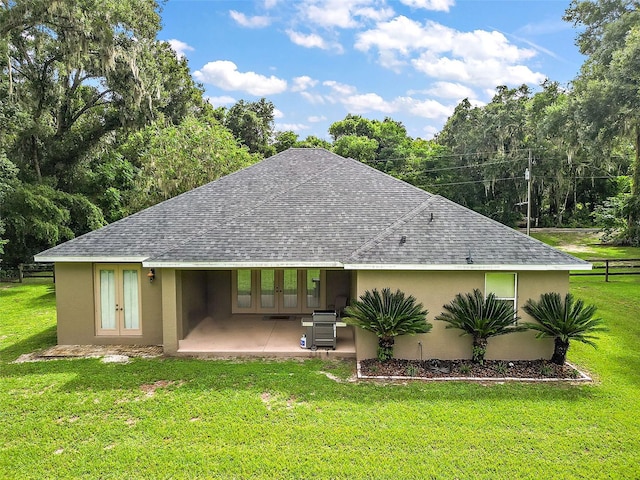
(403, 239)
(469, 258)
(431, 218)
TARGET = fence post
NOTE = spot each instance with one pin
(606, 270)
(20, 274)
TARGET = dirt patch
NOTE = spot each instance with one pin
(91, 351)
(150, 388)
(465, 369)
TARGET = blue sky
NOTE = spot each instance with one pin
(411, 60)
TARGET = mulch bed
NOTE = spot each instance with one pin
(498, 369)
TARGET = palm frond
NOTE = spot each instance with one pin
(567, 319)
(388, 314)
(479, 316)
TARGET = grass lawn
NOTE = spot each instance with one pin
(181, 418)
(583, 243)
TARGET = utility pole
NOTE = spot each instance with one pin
(527, 177)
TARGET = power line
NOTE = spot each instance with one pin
(510, 178)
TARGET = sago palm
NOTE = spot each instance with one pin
(480, 317)
(563, 320)
(387, 315)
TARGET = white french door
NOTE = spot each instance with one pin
(277, 290)
(117, 300)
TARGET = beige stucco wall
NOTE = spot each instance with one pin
(76, 308)
(219, 293)
(194, 299)
(433, 290)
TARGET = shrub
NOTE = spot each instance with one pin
(481, 318)
(563, 320)
(387, 315)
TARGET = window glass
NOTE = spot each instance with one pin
(107, 299)
(503, 285)
(267, 288)
(313, 288)
(130, 299)
(290, 288)
(244, 289)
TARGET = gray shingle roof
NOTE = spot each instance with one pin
(310, 206)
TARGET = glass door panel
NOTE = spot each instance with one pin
(107, 300)
(130, 300)
(267, 289)
(244, 297)
(312, 287)
(289, 289)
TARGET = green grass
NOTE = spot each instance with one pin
(584, 244)
(224, 419)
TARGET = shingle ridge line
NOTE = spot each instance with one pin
(391, 228)
(240, 214)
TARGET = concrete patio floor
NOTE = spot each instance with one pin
(253, 336)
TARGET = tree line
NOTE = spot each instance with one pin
(99, 119)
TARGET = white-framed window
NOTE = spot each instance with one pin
(117, 299)
(504, 285)
(277, 290)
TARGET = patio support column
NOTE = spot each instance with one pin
(170, 311)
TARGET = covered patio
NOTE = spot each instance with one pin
(259, 336)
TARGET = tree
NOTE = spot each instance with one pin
(38, 217)
(313, 142)
(359, 148)
(488, 152)
(73, 69)
(564, 321)
(387, 315)
(285, 140)
(173, 159)
(252, 124)
(8, 182)
(607, 86)
(480, 317)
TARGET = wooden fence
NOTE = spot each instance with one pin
(612, 266)
(33, 270)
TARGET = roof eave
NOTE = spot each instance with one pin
(234, 265)
(467, 267)
(88, 259)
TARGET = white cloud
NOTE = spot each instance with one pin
(249, 22)
(340, 88)
(224, 74)
(294, 127)
(403, 35)
(343, 13)
(456, 91)
(316, 118)
(269, 4)
(368, 102)
(311, 40)
(478, 58)
(481, 44)
(221, 100)
(424, 108)
(180, 47)
(438, 5)
(430, 132)
(277, 113)
(313, 98)
(484, 73)
(302, 83)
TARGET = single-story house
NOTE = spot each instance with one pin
(234, 266)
